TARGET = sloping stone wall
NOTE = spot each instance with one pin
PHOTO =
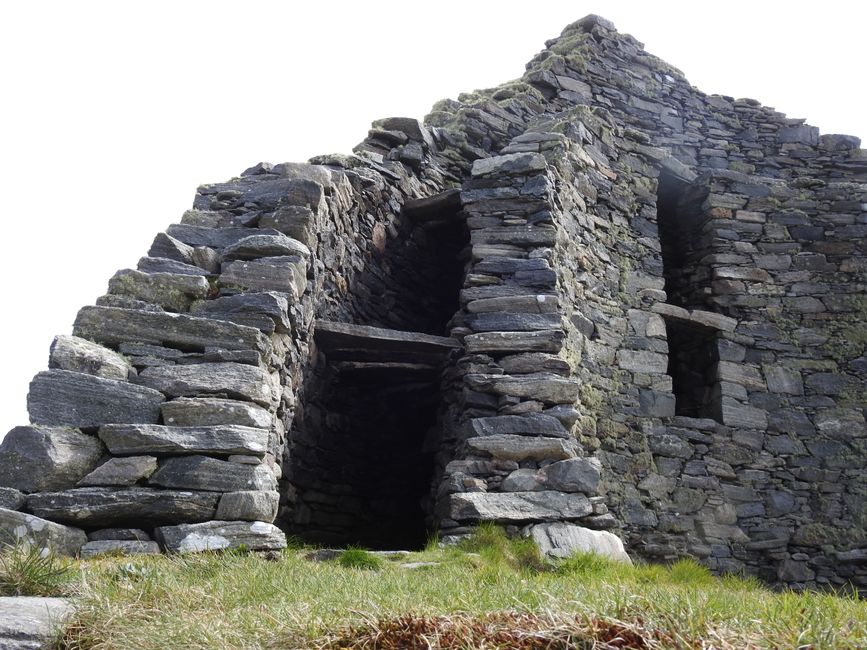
(660, 308)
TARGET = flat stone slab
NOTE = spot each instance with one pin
(65, 398)
(235, 380)
(128, 439)
(113, 326)
(94, 507)
(510, 342)
(30, 623)
(219, 535)
(348, 342)
(34, 532)
(42, 459)
(518, 448)
(269, 310)
(212, 411)
(210, 474)
(171, 291)
(517, 506)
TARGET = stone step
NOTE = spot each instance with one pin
(348, 342)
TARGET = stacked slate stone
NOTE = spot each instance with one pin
(661, 310)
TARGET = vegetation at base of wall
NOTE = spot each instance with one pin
(30, 571)
(484, 593)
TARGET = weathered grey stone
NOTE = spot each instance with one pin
(212, 411)
(251, 309)
(740, 415)
(670, 445)
(212, 237)
(119, 534)
(560, 540)
(523, 480)
(574, 475)
(121, 471)
(32, 623)
(513, 163)
(212, 475)
(287, 274)
(220, 535)
(29, 531)
(529, 304)
(39, 459)
(535, 362)
(783, 380)
(794, 571)
(171, 291)
(122, 439)
(113, 326)
(642, 361)
(507, 342)
(119, 547)
(248, 505)
(10, 498)
(551, 389)
(137, 506)
(64, 398)
(168, 247)
(506, 322)
(81, 355)
(517, 506)
(233, 380)
(164, 265)
(256, 246)
(530, 424)
(293, 220)
(520, 448)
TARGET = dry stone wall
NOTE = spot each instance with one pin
(592, 303)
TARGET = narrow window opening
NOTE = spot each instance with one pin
(692, 358)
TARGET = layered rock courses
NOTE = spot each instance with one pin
(593, 297)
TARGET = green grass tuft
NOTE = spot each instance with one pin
(358, 558)
(29, 571)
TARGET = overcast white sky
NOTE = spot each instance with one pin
(111, 113)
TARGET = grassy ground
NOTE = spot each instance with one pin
(493, 593)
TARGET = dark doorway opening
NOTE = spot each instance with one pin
(362, 446)
(693, 356)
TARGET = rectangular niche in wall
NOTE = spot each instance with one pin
(693, 359)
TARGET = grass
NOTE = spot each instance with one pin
(25, 571)
(491, 592)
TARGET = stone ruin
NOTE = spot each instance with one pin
(590, 299)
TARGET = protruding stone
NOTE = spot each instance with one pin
(41, 459)
(123, 439)
(80, 355)
(248, 505)
(560, 540)
(168, 247)
(64, 398)
(212, 475)
(256, 246)
(113, 326)
(574, 475)
(531, 424)
(212, 411)
(287, 274)
(268, 311)
(29, 531)
(509, 164)
(509, 342)
(171, 291)
(519, 448)
(234, 380)
(221, 535)
(94, 507)
(121, 471)
(513, 507)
